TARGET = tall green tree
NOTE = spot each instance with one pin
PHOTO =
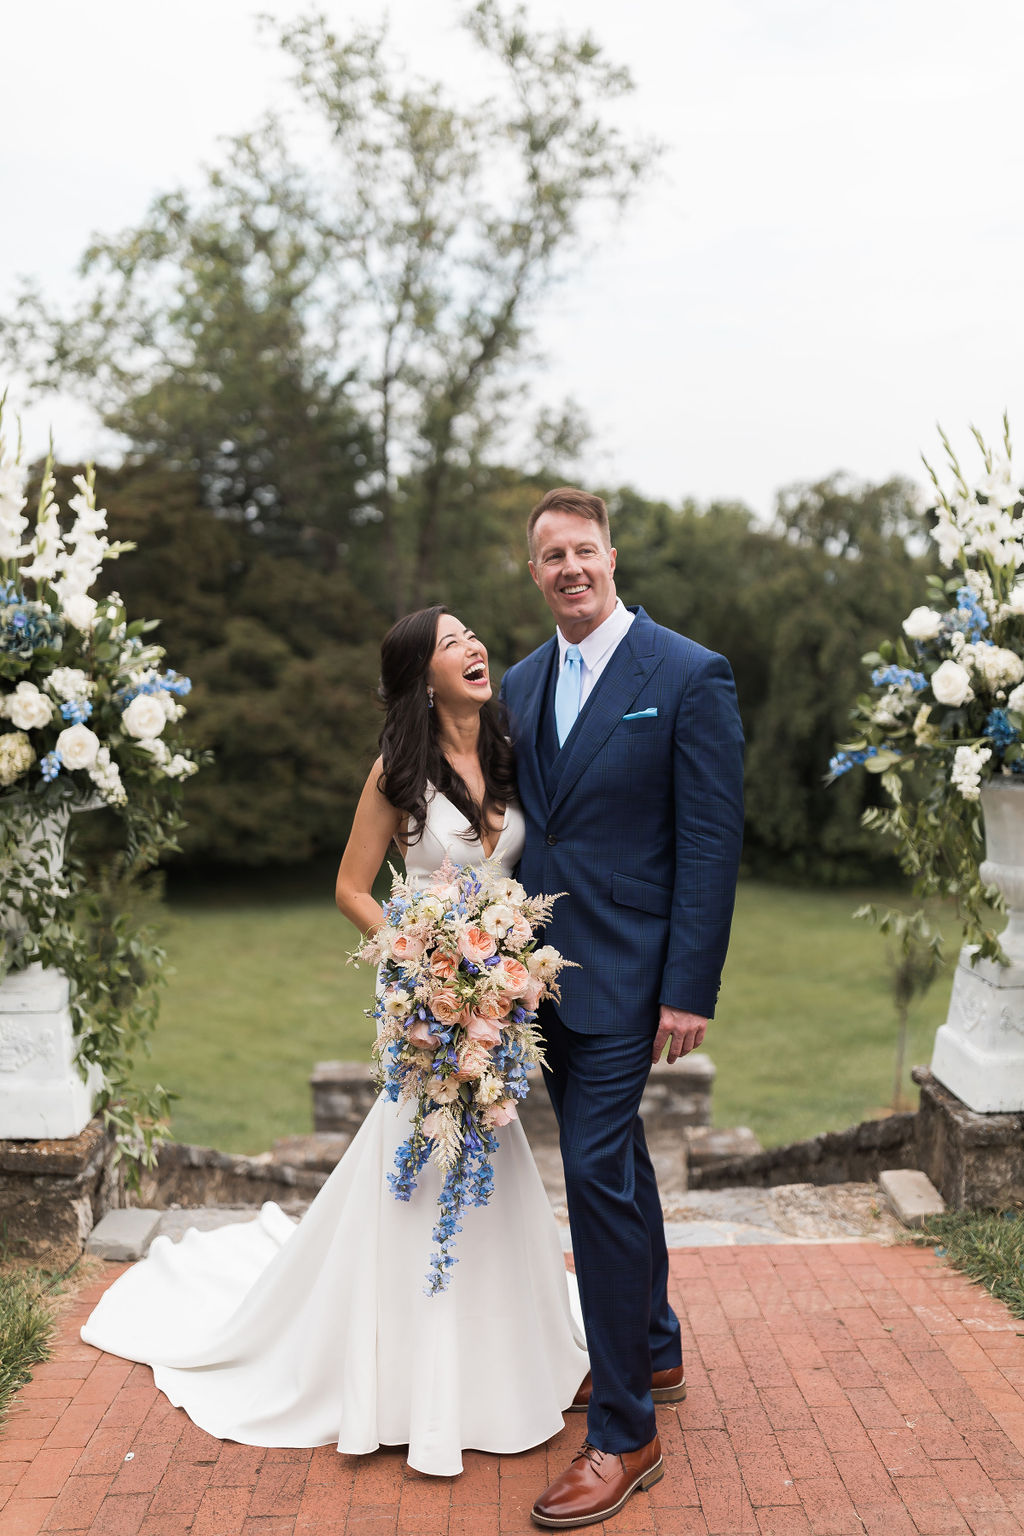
(332, 334)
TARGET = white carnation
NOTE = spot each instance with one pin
(29, 709)
(922, 624)
(951, 683)
(965, 774)
(144, 717)
(70, 683)
(1016, 699)
(16, 756)
(106, 775)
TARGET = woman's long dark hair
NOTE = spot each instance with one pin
(412, 756)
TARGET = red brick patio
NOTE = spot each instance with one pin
(834, 1388)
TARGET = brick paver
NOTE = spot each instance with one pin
(833, 1388)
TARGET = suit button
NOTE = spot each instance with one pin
(551, 840)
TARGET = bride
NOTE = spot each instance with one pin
(273, 1333)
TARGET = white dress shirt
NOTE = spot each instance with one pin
(597, 649)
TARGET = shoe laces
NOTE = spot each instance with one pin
(588, 1452)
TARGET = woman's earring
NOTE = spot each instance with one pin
(430, 697)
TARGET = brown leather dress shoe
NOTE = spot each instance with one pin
(666, 1387)
(596, 1485)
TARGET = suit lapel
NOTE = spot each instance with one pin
(527, 719)
(633, 661)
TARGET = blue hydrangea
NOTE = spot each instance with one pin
(896, 677)
(999, 730)
(26, 627)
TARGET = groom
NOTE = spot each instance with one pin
(630, 762)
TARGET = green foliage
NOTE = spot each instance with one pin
(987, 1245)
(27, 1327)
(802, 1039)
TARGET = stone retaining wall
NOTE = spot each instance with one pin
(52, 1194)
(836, 1157)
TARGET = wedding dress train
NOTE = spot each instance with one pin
(278, 1333)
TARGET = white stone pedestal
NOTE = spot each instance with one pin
(979, 1051)
(42, 1094)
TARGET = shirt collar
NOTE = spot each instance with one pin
(600, 640)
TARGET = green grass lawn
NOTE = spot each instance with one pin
(804, 1038)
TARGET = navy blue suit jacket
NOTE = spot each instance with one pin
(642, 827)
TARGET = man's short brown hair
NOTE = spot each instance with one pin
(568, 499)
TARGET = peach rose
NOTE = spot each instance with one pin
(406, 946)
(503, 1113)
(474, 1059)
(513, 977)
(532, 993)
(494, 1006)
(519, 934)
(486, 1031)
(442, 966)
(446, 1005)
(421, 1037)
(477, 945)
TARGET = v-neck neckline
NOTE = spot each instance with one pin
(483, 845)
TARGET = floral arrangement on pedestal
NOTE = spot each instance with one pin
(945, 710)
(89, 718)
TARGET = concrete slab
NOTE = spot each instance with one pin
(910, 1195)
(123, 1235)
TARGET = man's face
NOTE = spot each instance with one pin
(574, 570)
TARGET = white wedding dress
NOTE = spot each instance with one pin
(282, 1334)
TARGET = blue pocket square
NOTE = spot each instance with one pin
(642, 714)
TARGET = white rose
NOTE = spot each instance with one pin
(80, 610)
(1016, 700)
(28, 708)
(77, 746)
(144, 717)
(922, 624)
(429, 907)
(951, 683)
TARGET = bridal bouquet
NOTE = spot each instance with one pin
(461, 977)
(945, 710)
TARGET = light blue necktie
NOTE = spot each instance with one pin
(567, 693)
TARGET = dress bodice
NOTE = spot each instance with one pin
(445, 834)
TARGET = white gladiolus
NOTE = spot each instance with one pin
(16, 757)
(12, 504)
(46, 546)
(965, 774)
(922, 624)
(998, 486)
(951, 684)
(77, 747)
(29, 709)
(144, 717)
(947, 537)
(80, 611)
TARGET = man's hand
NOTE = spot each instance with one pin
(685, 1031)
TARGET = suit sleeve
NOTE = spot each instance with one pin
(708, 798)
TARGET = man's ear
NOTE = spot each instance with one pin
(533, 572)
(611, 561)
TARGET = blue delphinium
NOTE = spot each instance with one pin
(895, 677)
(76, 711)
(844, 761)
(970, 618)
(166, 682)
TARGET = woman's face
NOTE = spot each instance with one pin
(458, 668)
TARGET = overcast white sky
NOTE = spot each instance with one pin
(829, 263)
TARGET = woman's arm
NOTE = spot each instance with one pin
(375, 825)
